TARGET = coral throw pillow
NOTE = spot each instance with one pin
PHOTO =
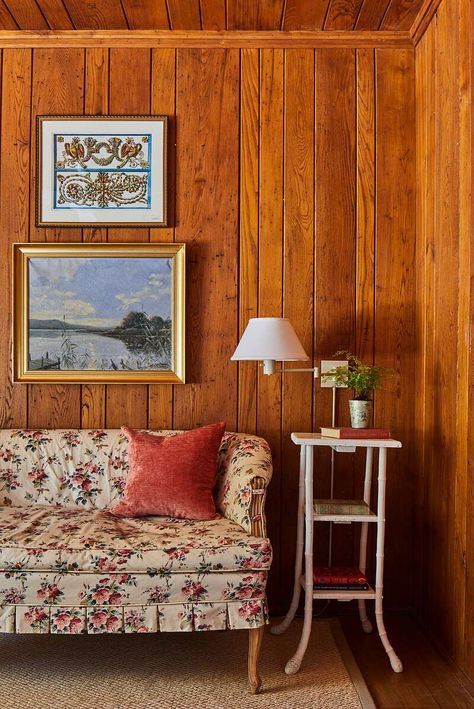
(171, 476)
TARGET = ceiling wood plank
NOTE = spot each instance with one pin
(7, 21)
(27, 14)
(202, 40)
(250, 15)
(213, 14)
(371, 14)
(305, 14)
(269, 14)
(56, 14)
(401, 14)
(342, 14)
(146, 14)
(91, 15)
(241, 15)
(184, 15)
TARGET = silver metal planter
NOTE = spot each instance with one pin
(361, 413)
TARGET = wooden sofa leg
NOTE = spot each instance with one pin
(255, 642)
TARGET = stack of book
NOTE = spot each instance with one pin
(345, 433)
(339, 578)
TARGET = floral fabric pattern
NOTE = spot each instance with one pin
(241, 459)
(91, 589)
(88, 469)
(68, 566)
(59, 539)
(184, 617)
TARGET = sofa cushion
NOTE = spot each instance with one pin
(44, 538)
(171, 475)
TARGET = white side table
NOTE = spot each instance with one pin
(309, 511)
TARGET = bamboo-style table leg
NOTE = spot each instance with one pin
(394, 660)
(293, 664)
(366, 624)
(285, 623)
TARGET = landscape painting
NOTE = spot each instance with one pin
(108, 315)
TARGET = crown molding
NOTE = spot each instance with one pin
(202, 39)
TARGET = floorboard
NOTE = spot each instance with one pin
(427, 681)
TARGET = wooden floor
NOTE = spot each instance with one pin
(427, 681)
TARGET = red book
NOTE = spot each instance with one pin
(339, 576)
(355, 433)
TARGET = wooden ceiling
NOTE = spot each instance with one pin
(286, 15)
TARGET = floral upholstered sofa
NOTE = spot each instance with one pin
(68, 566)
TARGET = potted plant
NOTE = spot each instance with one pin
(363, 379)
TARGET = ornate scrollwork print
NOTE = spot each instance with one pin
(103, 189)
(88, 151)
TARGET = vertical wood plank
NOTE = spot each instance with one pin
(467, 231)
(335, 259)
(450, 588)
(207, 182)
(58, 88)
(129, 93)
(270, 286)
(298, 286)
(14, 212)
(365, 291)
(96, 103)
(464, 622)
(248, 258)
(163, 83)
(423, 208)
(365, 246)
(395, 295)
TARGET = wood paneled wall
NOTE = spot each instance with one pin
(445, 404)
(292, 183)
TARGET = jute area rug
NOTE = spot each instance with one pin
(177, 671)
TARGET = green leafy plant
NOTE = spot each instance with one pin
(362, 378)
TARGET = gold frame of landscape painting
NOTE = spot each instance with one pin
(107, 171)
(98, 312)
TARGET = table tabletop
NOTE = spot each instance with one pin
(316, 439)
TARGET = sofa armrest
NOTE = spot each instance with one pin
(244, 471)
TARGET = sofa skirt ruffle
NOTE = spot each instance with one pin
(184, 617)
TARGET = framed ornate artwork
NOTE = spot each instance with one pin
(102, 170)
(97, 312)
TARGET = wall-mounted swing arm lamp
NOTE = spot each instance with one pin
(271, 340)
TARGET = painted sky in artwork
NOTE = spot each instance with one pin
(99, 291)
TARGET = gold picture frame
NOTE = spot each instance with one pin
(107, 170)
(80, 318)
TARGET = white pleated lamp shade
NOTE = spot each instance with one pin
(270, 339)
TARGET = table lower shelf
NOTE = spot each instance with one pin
(339, 595)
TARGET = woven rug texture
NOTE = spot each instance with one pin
(176, 671)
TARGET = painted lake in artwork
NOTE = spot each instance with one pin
(100, 313)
